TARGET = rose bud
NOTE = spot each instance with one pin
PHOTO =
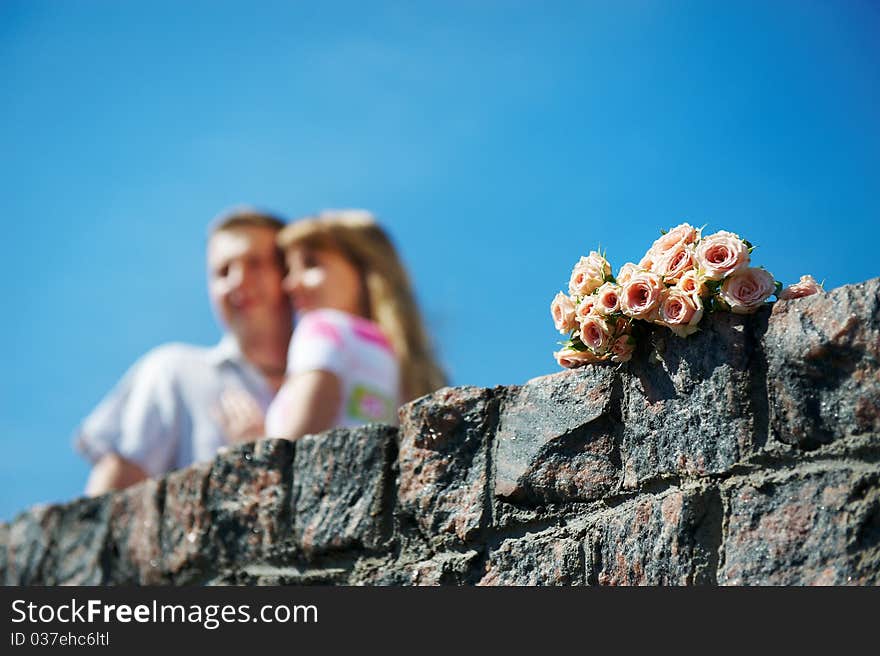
(562, 310)
(626, 272)
(806, 287)
(588, 274)
(692, 283)
(623, 348)
(571, 359)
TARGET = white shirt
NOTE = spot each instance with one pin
(356, 351)
(164, 413)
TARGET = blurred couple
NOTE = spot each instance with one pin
(358, 350)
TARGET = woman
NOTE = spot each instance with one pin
(359, 348)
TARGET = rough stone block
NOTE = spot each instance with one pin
(700, 408)
(549, 558)
(444, 440)
(809, 527)
(340, 482)
(235, 508)
(668, 539)
(823, 354)
(248, 498)
(186, 525)
(71, 541)
(29, 541)
(133, 551)
(556, 438)
(447, 568)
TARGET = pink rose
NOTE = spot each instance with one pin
(680, 312)
(692, 283)
(721, 254)
(608, 298)
(588, 274)
(571, 359)
(675, 262)
(745, 291)
(595, 334)
(584, 308)
(640, 296)
(626, 272)
(623, 348)
(647, 261)
(806, 287)
(562, 310)
(683, 233)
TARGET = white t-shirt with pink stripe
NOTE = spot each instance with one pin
(356, 351)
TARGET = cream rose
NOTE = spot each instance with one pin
(680, 312)
(571, 359)
(806, 287)
(721, 254)
(683, 233)
(692, 283)
(608, 298)
(675, 262)
(562, 310)
(584, 308)
(745, 291)
(595, 334)
(640, 296)
(622, 349)
(588, 274)
(626, 272)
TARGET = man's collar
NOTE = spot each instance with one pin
(227, 350)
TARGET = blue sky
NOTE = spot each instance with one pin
(498, 142)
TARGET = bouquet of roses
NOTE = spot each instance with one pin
(681, 278)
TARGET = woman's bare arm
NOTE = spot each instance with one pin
(309, 403)
(113, 472)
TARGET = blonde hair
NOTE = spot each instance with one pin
(390, 299)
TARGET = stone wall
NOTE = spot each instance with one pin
(746, 454)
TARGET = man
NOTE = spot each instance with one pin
(169, 411)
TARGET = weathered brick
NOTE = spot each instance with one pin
(556, 438)
(823, 354)
(701, 407)
(444, 442)
(548, 558)
(339, 487)
(810, 527)
(667, 539)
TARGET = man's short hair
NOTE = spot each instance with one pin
(245, 217)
